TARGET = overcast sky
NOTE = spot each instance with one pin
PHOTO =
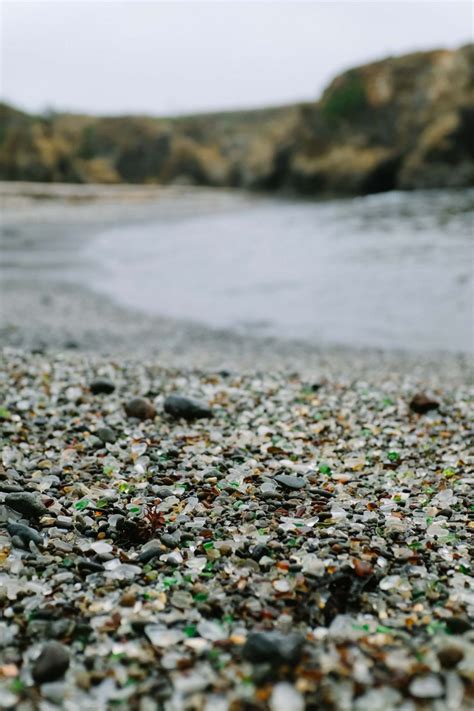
(110, 56)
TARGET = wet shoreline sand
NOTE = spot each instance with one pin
(45, 306)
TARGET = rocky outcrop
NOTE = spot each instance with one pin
(405, 122)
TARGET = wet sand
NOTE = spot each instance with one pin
(44, 308)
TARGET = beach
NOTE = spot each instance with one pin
(194, 517)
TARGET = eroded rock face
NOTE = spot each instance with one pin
(405, 122)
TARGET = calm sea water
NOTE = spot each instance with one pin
(391, 270)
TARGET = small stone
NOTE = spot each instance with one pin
(150, 550)
(285, 697)
(449, 657)
(162, 637)
(290, 481)
(445, 512)
(141, 408)
(421, 404)
(183, 407)
(47, 520)
(101, 387)
(259, 551)
(426, 687)
(128, 599)
(101, 548)
(64, 522)
(24, 533)
(106, 435)
(163, 492)
(8, 488)
(51, 664)
(89, 566)
(182, 599)
(458, 625)
(27, 504)
(171, 540)
(273, 647)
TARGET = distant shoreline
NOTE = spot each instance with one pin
(53, 314)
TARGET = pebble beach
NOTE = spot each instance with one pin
(193, 520)
(272, 543)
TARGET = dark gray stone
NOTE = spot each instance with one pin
(259, 551)
(8, 487)
(27, 504)
(458, 625)
(89, 566)
(163, 492)
(101, 386)
(24, 533)
(179, 406)
(106, 435)
(149, 551)
(171, 540)
(52, 663)
(421, 403)
(290, 481)
(273, 647)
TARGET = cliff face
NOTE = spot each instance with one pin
(404, 122)
(399, 123)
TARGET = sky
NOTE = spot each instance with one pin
(164, 58)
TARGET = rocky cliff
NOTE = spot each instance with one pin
(405, 122)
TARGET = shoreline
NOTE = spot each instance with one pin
(43, 307)
(76, 319)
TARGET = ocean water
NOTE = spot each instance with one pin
(392, 270)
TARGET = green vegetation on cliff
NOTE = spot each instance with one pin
(346, 99)
(403, 122)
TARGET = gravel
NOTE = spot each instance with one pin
(303, 548)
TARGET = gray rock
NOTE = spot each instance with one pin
(183, 407)
(18, 543)
(52, 663)
(458, 625)
(421, 403)
(24, 533)
(259, 551)
(273, 647)
(150, 550)
(171, 540)
(64, 522)
(106, 435)
(61, 628)
(290, 481)
(141, 408)
(163, 492)
(7, 487)
(29, 505)
(101, 386)
(89, 566)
